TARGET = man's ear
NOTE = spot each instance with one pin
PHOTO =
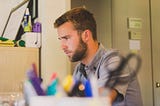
(86, 35)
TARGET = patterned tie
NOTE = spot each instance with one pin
(82, 70)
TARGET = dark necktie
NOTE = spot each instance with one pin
(82, 70)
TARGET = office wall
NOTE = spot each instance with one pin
(102, 14)
(52, 57)
(4, 10)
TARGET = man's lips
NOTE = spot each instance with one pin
(67, 52)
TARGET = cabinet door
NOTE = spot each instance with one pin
(14, 62)
(155, 14)
(121, 11)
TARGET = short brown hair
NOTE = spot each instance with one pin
(81, 18)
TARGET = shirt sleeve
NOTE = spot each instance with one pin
(109, 63)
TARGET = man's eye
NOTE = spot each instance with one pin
(59, 38)
(63, 38)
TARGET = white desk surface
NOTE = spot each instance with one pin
(67, 101)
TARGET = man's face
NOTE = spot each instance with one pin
(71, 43)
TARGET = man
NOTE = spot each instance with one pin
(78, 35)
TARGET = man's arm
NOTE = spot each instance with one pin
(112, 94)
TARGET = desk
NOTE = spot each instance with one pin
(67, 101)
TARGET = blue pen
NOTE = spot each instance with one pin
(88, 89)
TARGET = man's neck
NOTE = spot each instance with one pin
(92, 49)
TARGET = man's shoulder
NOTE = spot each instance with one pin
(111, 53)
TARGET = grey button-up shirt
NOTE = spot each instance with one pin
(102, 63)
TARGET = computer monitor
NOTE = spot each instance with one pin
(14, 20)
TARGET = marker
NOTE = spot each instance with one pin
(88, 88)
(68, 83)
(35, 82)
(52, 88)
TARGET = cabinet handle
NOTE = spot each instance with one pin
(157, 84)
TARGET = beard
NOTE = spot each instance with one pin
(80, 52)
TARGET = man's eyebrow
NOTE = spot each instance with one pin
(63, 37)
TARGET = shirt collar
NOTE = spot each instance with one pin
(94, 62)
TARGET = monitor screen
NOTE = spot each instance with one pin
(14, 20)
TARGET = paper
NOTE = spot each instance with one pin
(135, 23)
(134, 45)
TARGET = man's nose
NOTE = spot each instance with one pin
(63, 45)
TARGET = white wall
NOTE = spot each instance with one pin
(5, 8)
(52, 57)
